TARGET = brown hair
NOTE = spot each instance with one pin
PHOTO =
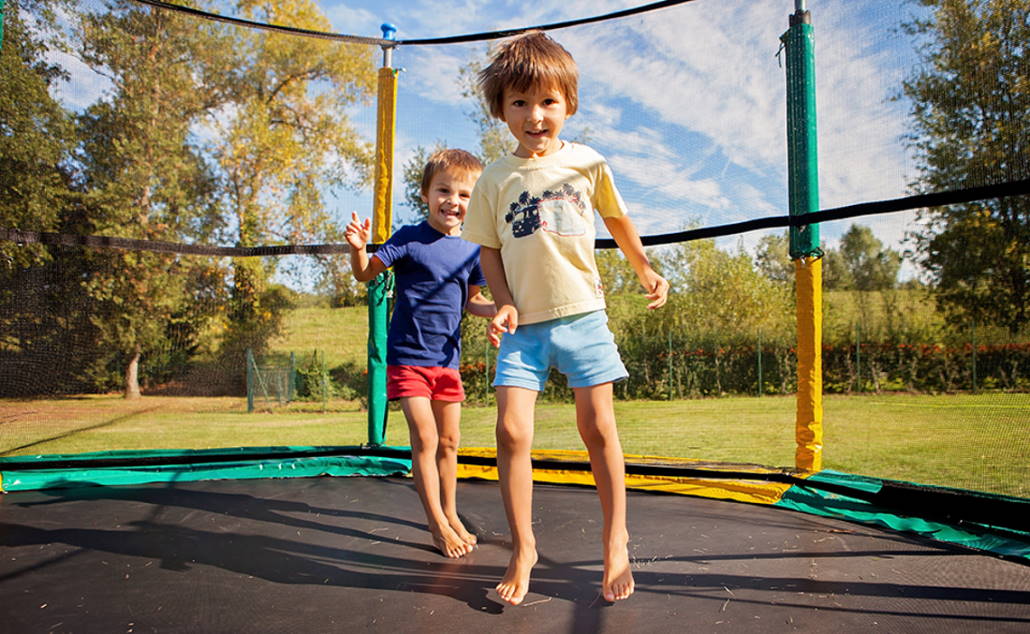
(452, 159)
(527, 60)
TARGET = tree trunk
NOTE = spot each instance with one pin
(132, 377)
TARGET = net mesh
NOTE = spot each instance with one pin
(170, 128)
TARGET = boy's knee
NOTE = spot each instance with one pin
(448, 443)
(511, 436)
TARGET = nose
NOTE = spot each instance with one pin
(536, 113)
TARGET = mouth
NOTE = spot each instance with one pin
(536, 134)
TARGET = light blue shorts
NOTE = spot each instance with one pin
(580, 346)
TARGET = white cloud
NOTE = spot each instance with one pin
(690, 101)
(84, 86)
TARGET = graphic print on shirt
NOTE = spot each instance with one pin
(560, 212)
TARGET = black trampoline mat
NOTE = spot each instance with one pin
(345, 554)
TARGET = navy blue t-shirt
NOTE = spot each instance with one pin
(433, 272)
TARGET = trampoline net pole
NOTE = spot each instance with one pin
(803, 194)
(379, 289)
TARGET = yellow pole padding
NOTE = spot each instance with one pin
(386, 116)
(808, 455)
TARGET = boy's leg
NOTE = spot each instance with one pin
(424, 441)
(515, 469)
(448, 427)
(595, 419)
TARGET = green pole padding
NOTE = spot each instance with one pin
(379, 292)
(802, 156)
(2, 2)
(1006, 541)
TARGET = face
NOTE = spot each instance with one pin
(535, 118)
(448, 199)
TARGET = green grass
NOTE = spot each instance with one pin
(968, 441)
(340, 333)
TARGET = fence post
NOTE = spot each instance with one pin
(669, 351)
(974, 355)
(324, 377)
(250, 380)
(858, 356)
(759, 359)
(291, 381)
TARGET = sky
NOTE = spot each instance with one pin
(687, 103)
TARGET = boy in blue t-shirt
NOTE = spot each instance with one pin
(437, 277)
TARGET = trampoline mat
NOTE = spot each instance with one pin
(331, 554)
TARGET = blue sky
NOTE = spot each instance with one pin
(687, 103)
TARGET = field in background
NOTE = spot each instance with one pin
(966, 441)
(340, 333)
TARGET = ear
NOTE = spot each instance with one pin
(424, 198)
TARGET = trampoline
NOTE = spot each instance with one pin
(323, 554)
(214, 541)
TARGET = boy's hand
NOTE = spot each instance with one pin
(506, 320)
(357, 233)
(657, 289)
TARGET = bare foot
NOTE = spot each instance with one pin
(515, 584)
(462, 532)
(617, 583)
(449, 543)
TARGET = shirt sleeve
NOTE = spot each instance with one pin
(393, 249)
(480, 225)
(607, 200)
(476, 277)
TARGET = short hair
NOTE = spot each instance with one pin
(450, 159)
(527, 60)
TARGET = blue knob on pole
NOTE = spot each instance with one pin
(389, 30)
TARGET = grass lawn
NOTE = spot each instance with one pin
(968, 441)
(340, 333)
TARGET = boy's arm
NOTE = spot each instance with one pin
(626, 236)
(479, 305)
(507, 317)
(362, 267)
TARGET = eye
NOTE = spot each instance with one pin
(518, 103)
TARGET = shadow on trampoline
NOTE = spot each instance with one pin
(356, 548)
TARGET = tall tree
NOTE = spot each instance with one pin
(873, 267)
(283, 138)
(36, 134)
(144, 176)
(970, 121)
(39, 319)
(772, 258)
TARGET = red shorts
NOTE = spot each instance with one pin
(436, 384)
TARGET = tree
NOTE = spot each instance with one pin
(772, 258)
(722, 294)
(38, 315)
(36, 134)
(861, 263)
(970, 123)
(144, 176)
(282, 138)
(411, 175)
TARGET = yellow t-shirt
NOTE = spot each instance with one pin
(540, 213)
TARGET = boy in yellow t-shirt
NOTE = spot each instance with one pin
(533, 214)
